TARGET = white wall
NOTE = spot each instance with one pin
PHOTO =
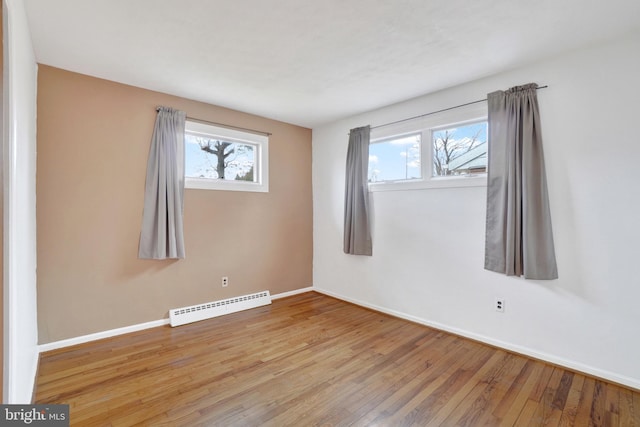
(19, 176)
(429, 244)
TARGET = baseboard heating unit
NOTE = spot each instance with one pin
(194, 313)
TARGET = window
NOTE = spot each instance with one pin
(395, 159)
(444, 150)
(460, 150)
(219, 158)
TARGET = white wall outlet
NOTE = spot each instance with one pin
(225, 281)
(499, 305)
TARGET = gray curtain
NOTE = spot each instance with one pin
(357, 233)
(162, 233)
(519, 241)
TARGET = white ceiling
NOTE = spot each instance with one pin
(310, 62)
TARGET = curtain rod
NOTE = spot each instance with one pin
(439, 111)
(194, 119)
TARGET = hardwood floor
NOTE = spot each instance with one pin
(314, 360)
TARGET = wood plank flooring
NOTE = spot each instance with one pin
(311, 360)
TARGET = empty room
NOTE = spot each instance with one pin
(301, 213)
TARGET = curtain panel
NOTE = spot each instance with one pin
(519, 239)
(162, 236)
(357, 232)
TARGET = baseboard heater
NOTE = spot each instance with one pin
(194, 313)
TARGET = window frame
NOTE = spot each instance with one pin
(427, 125)
(261, 162)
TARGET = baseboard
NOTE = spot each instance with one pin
(291, 293)
(134, 328)
(101, 335)
(550, 358)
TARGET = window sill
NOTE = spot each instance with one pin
(211, 184)
(449, 182)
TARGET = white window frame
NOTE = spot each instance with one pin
(427, 125)
(260, 168)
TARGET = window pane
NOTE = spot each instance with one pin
(219, 159)
(460, 150)
(395, 159)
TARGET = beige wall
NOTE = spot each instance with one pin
(93, 142)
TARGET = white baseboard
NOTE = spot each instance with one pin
(291, 293)
(100, 335)
(575, 366)
(133, 328)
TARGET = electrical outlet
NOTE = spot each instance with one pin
(499, 305)
(225, 281)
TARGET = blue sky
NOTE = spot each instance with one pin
(395, 159)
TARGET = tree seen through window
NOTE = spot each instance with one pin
(219, 159)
